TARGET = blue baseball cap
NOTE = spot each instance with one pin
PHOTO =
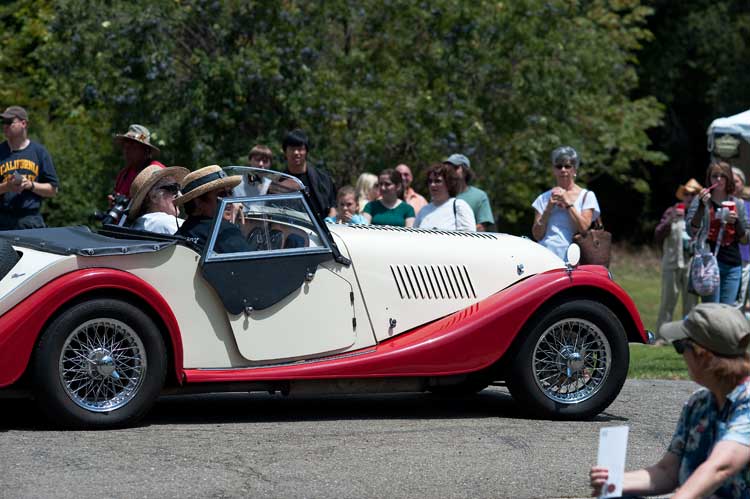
(458, 160)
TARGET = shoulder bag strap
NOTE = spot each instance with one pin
(455, 217)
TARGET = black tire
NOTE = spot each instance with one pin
(539, 379)
(99, 364)
(8, 257)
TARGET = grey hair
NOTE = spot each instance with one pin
(563, 153)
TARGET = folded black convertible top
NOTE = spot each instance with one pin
(81, 241)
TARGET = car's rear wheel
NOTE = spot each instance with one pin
(572, 363)
(99, 364)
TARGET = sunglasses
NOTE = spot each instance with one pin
(560, 166)
(173, 189)
(681, 345)
(8, 121)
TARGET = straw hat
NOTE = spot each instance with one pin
(203, 180)
(691, 187)
(146, 180)
(137, 133)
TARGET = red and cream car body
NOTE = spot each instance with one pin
(98, 325)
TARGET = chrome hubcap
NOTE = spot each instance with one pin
(571, 361)
(102, 365)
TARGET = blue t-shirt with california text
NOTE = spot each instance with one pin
(32, 162)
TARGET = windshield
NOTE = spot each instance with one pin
(259, 182)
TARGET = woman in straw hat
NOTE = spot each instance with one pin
(672, 234)
(152, 195)
(710, 449)
(138, 152)
(201, 191)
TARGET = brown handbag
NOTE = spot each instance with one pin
(595, 243)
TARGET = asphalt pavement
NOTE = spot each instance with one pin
(394, 446)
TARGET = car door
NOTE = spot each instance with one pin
(284, 296)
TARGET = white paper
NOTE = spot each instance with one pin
(613, 445)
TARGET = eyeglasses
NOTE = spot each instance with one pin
(384, 184)
(173, 189)
(681, 345)
(560, 166)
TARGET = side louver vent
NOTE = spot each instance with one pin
(433, 282)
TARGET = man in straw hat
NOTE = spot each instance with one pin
(152, 196)
(672, 234)
(710, 449)
(201, 191)
(27, 174)
(138, 152)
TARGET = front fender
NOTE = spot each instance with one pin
(21, 326)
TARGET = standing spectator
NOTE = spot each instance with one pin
(346, 208)
(390, 209)
(710, 449)
(445, 211)
(260, 156)
(138, 153)
(706, 213)
(417, 201)
(28, 174)
(565, 209)
(366, 190)
(672, 234)
(322, 190)
(152, 195)
(739, 190)
(476, 198)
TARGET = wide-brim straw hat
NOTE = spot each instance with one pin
(146, 180)
(137, 133)
(204, 180)
(691, 187)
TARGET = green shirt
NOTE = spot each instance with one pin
(395, 216)
(480, 204)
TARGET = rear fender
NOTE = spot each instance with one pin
(21, 326)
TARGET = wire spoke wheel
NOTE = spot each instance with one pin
(571, 360)
(102, 364)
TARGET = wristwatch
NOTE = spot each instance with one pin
(569, 206)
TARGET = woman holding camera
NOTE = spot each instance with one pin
(722, 215)
(565, 209)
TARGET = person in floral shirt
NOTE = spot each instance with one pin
(710, 450)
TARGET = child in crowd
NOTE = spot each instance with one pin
(366, 190)
(346, 208)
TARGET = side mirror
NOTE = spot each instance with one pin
(573, 255)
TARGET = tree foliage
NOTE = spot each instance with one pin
(374, 83)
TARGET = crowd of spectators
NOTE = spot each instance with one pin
(388, 197)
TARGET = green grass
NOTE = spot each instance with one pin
(639, 273)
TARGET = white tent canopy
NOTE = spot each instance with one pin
(739, 124)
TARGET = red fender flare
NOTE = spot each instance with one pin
(21, 326)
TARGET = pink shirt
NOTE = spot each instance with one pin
(415, 200)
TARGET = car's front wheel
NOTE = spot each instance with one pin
(572, 362)
(99, 364)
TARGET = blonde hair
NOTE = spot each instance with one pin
(365, 183)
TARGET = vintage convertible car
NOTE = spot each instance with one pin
(97, 325)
